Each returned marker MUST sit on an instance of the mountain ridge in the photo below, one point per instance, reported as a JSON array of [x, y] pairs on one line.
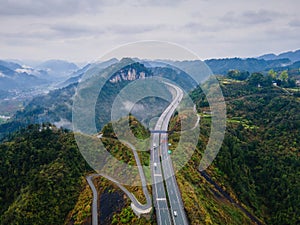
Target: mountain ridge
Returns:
[[291, 55]]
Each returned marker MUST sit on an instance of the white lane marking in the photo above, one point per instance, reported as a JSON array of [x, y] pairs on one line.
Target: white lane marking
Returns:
[[161, 199]]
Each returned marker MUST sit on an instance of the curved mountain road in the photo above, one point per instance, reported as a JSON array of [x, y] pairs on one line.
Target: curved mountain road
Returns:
[[163, 171], [135, 204], [95, 199]]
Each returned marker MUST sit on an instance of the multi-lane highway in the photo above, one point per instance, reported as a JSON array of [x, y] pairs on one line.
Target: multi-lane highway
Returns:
[[171, 208], [166, 195]]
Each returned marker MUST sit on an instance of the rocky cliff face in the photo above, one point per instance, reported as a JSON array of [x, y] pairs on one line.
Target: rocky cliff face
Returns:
[[129, 75], [131, 72]]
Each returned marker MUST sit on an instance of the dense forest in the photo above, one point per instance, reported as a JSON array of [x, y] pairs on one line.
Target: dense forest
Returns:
[[41, 173], [259, 159]]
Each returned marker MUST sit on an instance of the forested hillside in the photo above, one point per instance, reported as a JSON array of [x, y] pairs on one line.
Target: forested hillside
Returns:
[[41, 173], [255, 176], [260, 157]]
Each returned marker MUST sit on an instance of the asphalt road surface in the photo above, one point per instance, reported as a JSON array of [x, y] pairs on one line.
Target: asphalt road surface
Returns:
[[95, 199], [168, 210], [162, 168]]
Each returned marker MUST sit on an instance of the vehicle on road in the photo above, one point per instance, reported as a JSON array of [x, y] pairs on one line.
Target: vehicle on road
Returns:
[[175, 213]]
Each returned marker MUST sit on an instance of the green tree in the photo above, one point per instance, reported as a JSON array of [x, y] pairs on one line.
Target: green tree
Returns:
[[284, 76], [256, 79], [238, 75], [272, 74]]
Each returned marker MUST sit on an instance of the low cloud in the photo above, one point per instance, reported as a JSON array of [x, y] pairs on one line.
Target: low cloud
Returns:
[[250, 17], [294, 23], [64, 124], [133, 29], [84, 29], [170, 3], [51, 7], [75, 30], [70, 7]]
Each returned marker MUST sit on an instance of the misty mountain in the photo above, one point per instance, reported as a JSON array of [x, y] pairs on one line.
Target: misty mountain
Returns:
[[77, 75], [222, 66], [14, 76], [270, 56], [107, 63], [10, 65], [4, 94], [293, 56], [56, 106], [57, 69], [74, 77], [27, 62]]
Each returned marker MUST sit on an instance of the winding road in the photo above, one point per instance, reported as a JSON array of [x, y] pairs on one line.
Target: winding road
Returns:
[[162, 175], [95, 199], [162, 169], [135, 204]]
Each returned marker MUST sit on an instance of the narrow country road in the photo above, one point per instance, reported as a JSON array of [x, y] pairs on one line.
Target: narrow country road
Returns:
[[135, 204], [95, 199]]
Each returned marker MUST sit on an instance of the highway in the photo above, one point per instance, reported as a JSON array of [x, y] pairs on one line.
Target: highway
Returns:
[[161, 167], [169, 210]]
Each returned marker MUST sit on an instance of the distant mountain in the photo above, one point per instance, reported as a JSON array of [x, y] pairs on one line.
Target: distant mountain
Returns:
[[10, 65], [270, 56], [5, 71], [56, 106], [293, 56], [77, 75], [21, 67], [17, 77], [222, 66], [57, 69], [30, 63], [4, 94], [293, 70], [107, 63]]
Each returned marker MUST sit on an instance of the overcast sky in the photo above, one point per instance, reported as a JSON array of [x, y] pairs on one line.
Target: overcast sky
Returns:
[[83, 30]]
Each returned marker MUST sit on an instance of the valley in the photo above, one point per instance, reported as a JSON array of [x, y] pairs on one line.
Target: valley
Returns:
[[253, 180]]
